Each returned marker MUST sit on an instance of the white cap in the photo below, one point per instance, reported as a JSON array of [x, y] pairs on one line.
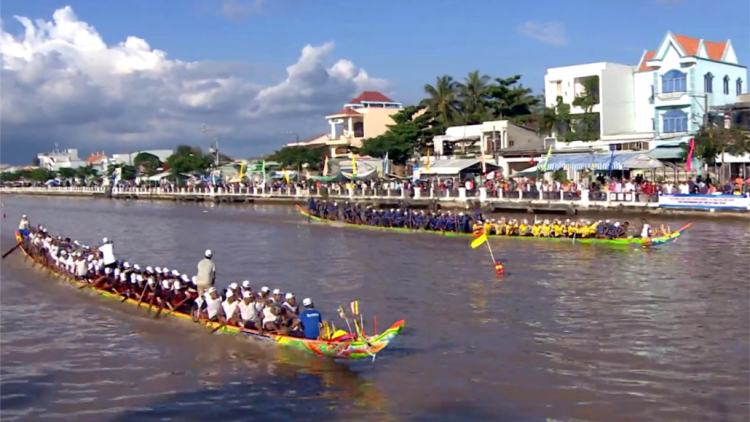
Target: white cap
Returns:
[[185, 278], [290, 295], [233, 286], [175, 273], [276, 291], [194, 279], [177, 285], [24, 216], [208, 253], [246, 294], [307, 302], [230, 293], [212, 289], [126, 264], [165, 270], [246, 284], [617, 224], [165, 284], [104, 240], [158, 269], [137, 267], [265, 289], [150, 269]]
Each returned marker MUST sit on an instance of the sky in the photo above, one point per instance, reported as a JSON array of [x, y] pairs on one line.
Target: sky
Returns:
[[121, 76]]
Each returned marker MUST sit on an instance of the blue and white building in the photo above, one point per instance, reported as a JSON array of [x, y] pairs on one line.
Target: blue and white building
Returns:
[[662, 101]]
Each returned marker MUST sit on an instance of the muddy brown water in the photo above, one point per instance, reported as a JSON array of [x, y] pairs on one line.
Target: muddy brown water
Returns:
[[570, 333]]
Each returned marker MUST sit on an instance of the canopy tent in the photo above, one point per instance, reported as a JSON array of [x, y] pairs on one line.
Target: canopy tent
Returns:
[[364, 175], [338, 177], [531, 171], [454, 167], [667, 153], [622, 161]]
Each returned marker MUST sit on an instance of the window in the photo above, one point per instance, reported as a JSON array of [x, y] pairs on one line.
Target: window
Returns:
[[674, 81], [708, 83], [675, 121], [739, 86], [726, 85], [653, 124]]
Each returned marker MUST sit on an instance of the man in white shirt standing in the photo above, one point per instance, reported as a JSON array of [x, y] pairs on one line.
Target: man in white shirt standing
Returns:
[[108, 254]]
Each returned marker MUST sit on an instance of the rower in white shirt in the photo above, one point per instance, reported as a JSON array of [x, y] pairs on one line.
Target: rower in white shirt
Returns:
[[108, 254]]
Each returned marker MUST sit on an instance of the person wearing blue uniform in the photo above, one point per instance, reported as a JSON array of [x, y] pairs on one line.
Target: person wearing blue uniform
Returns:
[[310, 319]]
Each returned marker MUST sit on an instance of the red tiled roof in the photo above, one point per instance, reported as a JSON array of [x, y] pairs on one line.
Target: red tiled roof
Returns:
[[95, 158], [715, 50], [371, 96], [346, 112], [648, 56]]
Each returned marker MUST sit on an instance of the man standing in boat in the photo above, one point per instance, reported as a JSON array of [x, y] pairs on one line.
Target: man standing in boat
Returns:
[[206, 277], [108, 254], [23, 226]]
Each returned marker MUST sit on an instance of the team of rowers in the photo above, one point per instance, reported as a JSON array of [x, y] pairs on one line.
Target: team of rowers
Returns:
[[464, 223], [237, 305]]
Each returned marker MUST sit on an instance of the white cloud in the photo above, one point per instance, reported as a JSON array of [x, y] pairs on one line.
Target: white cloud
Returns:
[[61, 83], [547, 32]]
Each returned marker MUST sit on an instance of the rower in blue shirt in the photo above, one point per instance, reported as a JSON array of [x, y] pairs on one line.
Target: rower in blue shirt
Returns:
[[310, 319]]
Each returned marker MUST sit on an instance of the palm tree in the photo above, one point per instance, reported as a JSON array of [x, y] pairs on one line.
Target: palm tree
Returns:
[[443, 99], [473, 93]]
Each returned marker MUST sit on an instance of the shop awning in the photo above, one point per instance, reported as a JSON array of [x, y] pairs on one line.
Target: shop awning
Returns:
[[621, 161]]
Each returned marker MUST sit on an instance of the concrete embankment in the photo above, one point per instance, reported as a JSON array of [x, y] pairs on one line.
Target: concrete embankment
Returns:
[[388, 199]]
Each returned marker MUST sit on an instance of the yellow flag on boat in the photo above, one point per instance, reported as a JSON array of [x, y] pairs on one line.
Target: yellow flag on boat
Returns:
[[286, 176], [355, 307], [354, 165], [479, 240]]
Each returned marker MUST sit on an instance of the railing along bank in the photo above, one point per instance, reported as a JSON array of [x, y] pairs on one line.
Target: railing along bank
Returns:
[[354, 193]]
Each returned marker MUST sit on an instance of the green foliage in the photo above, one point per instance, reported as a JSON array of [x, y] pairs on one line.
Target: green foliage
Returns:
[[187, 159], [295, 157], [712, 141], [128, 172], [559, 121], [147, 163], [67, 173], [86, 172], [408, 135], [478, 99]]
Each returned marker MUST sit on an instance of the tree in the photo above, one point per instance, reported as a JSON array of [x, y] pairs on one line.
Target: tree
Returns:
[[443, 100], [473, 96], [555, 120], [127, 172], [712, 141], [147, 163], [67, 173], [295, 157], [86, 172], [40, 175], [411, 132], [510, 100], [187, 159], [586, 124]]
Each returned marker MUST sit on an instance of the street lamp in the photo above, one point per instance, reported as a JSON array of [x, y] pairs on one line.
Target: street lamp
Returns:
[[213, 149], [299, 176]]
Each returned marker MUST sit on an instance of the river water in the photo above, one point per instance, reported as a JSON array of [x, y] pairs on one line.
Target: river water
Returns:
[[570, 333]]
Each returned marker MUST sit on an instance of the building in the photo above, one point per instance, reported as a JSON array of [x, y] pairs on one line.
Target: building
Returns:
[[98, 160], [57, 159], [128, 158], [504, 144], [661, 101], [365, 116]]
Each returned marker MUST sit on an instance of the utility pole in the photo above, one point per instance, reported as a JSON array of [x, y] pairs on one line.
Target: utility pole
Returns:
[[214, 149], [299, 165]]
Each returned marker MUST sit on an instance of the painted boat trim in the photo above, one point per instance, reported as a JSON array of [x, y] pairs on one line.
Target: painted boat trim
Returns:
[[330, 349], [660, 240]]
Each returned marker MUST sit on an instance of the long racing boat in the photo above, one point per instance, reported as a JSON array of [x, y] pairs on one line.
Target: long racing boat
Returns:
[[629, 241], [360, 348]]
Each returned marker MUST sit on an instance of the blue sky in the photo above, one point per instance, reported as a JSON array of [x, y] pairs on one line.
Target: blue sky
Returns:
[[401, 44], [408, 43]]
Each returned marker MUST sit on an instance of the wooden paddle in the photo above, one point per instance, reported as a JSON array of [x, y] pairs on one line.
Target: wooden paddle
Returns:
[[142, 293], [11, 250], [223, 324], [173, 309]]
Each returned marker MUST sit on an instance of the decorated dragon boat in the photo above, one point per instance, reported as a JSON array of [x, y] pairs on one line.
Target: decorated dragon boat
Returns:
[[359, 347], [626, 241]]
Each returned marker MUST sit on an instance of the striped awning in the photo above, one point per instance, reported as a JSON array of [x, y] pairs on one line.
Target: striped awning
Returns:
[[616, 161]]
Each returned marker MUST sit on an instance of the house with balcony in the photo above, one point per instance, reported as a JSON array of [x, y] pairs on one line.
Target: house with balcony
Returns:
[[366, 116], [660, 102]]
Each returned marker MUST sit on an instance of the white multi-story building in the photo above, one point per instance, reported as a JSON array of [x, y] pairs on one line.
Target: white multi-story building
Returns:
[[58, 159], [661, 101]]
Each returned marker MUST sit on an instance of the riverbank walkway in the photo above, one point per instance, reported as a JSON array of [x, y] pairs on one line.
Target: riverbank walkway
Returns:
[[536, 202]]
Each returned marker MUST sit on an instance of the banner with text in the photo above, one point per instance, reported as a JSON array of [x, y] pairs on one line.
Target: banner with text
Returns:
[[718, 202]]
